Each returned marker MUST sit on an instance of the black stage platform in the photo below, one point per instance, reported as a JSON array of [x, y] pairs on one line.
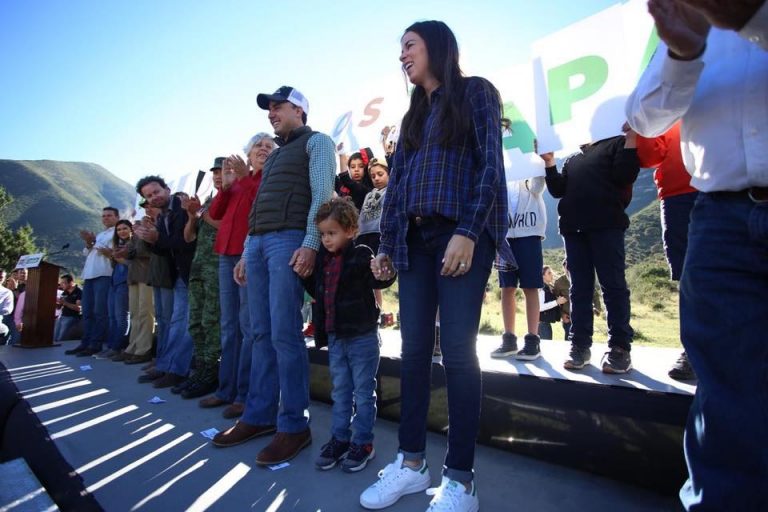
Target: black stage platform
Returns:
[[627, 427]]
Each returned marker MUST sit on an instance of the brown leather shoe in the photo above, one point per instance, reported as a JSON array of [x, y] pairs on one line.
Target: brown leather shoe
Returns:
[[233, 411], [211, 401], [284, 447], [241, 433], [168, 380]]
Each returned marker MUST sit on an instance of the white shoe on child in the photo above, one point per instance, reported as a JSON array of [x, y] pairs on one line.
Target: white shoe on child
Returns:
[[452, 496], [395, 481]]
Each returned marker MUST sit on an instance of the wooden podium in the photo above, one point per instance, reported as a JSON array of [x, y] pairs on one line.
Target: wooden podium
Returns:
[[40, 306]]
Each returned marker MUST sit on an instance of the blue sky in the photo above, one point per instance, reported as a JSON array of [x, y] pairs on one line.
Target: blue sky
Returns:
[[164, 86]]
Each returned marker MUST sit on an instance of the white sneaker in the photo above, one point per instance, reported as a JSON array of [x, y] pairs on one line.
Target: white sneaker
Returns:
[[395, 481], [452, 496]]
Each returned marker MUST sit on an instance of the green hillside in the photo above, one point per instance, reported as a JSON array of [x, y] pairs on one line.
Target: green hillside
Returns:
[[58, 199]]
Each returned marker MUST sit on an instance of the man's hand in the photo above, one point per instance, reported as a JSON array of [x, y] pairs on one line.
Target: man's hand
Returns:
[[683, 28], [238, 273], [457, 259], [303, 261], [730, 15], [147, 233], [382, 268], [88, 237], [105, 251]]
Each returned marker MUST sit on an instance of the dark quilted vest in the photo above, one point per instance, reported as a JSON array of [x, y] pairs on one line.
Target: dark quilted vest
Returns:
[[284, 195]]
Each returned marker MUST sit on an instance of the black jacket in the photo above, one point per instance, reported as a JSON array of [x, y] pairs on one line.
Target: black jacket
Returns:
[[356, 309], [595, 187], [170, 229]]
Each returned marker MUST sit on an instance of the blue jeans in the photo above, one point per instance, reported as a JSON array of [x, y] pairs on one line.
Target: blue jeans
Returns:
[[460, 299], [177, 354], [280, 364], [163, 299], [545, 330], [721, 310], [599, 251], [236, 335], [95, 304], [118, 316], [63, 325], [675, 216], [353, 363]]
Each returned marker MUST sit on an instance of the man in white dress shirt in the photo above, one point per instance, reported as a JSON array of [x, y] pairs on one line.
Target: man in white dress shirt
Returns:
[[97, 273], [711, 71]]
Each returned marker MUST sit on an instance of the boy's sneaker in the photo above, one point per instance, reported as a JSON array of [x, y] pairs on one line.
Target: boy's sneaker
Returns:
[[395, 481], [682, 370], [617, 361], [508, 346], [578, 358], [531, 350], [452, 496], [357, 457], [331, 454]]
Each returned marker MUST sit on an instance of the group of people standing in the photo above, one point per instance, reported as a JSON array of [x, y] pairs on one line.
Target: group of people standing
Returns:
[[275, 230]]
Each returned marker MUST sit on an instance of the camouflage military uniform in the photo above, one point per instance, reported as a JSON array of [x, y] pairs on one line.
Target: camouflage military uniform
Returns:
[[204, 312]]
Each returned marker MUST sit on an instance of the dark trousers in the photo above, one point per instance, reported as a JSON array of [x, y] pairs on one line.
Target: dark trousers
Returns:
[[721, 313], [599, 251], [422, 291], [675, 216]]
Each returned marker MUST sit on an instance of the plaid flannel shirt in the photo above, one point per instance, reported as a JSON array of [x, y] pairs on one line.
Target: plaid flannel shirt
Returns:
[[463, 183]]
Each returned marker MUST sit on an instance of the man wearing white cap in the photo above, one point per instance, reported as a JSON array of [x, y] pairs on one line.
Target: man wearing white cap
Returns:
[[280, 249]]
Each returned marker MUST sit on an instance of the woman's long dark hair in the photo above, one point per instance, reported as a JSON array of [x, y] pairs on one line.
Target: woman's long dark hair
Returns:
[[443, 53]]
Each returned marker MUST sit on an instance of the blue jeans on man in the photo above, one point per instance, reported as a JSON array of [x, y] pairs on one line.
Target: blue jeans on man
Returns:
[[721, 311], [675, 214], [177, 354], [600, 251], [95, 307], [64, 325], [353, 363], [236, 335], [163, 300], [422, 291], [279, 385]]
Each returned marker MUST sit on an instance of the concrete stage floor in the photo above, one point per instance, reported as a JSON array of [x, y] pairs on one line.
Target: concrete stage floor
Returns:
[[134, 455]]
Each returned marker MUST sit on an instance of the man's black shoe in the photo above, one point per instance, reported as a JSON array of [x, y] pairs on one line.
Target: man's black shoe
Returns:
[[197, 389]]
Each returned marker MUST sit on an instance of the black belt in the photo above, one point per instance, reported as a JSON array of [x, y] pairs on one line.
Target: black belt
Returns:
[[434, 220], [754, 194]]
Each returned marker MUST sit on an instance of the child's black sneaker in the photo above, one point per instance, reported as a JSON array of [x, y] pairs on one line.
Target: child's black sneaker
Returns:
[[331, 454], [357, 457]]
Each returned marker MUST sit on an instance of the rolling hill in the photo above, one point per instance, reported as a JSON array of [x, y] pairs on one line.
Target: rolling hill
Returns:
[[58, 199]]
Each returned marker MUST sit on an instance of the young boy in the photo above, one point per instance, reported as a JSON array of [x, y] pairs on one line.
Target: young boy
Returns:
[[346, 317]]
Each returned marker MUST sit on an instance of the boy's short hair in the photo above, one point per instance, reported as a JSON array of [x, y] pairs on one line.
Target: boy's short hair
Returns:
[[340, 209]]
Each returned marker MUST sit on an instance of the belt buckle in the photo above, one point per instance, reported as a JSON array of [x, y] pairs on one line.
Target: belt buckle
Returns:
[[757, 200]]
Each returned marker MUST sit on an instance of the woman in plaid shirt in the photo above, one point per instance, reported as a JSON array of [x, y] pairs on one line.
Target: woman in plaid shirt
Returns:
[[444, 218]]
